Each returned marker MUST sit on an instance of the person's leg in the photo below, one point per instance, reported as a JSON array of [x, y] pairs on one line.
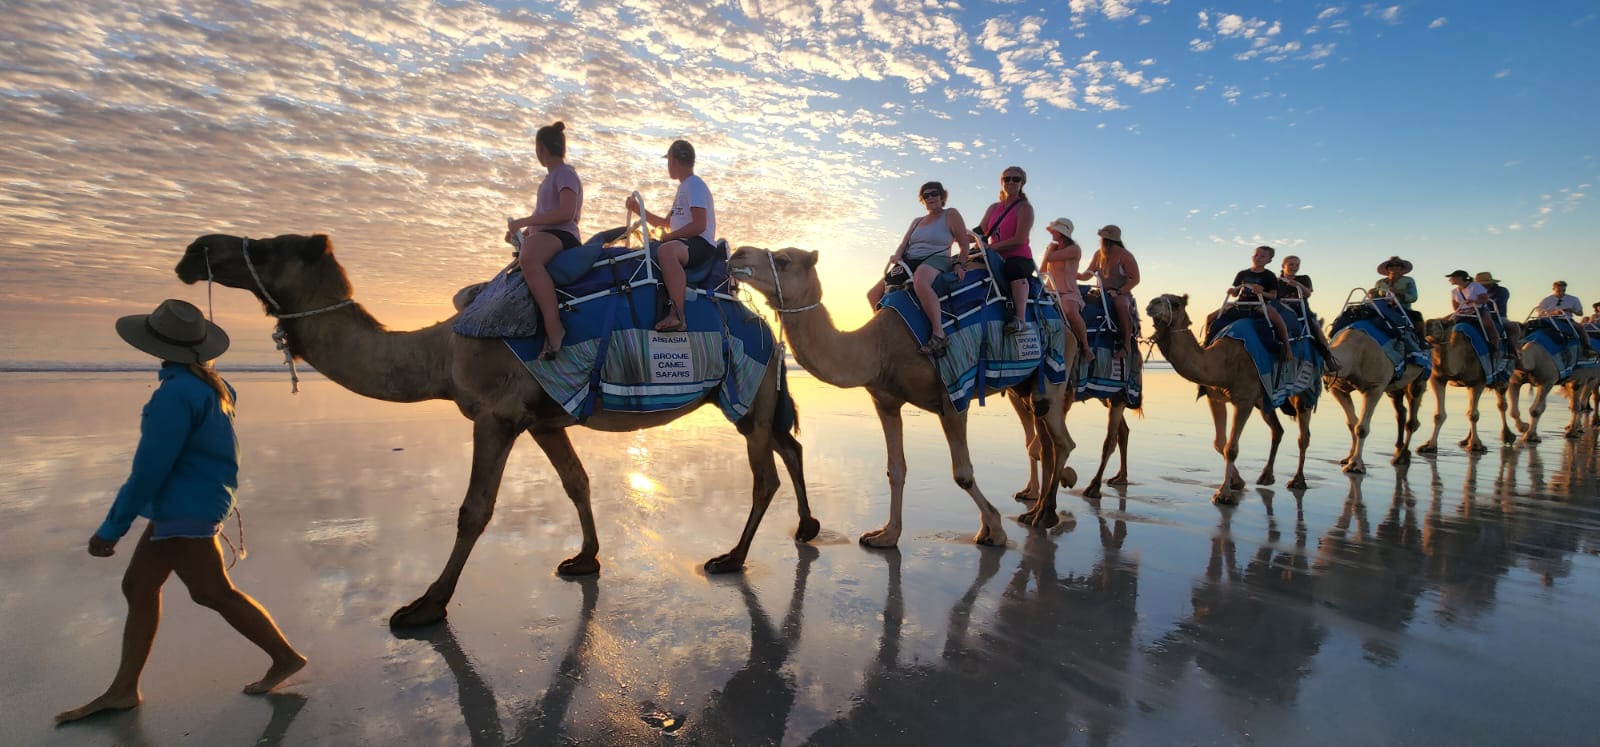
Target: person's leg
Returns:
[[1072, 311], [538, 249], [198, 563], [875, 295], [1281, 329], [1119, 304], [672, 257], [141, 586], [922, 283], [1491, 331], [1019, 302]]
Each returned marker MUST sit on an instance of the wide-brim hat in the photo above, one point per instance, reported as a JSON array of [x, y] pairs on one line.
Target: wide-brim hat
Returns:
[[1061, 226], [176, 331], [1485, 277], [1110, 232], [1383, 267]]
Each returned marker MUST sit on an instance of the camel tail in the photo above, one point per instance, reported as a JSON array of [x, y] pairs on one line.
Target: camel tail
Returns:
[[786, 417]]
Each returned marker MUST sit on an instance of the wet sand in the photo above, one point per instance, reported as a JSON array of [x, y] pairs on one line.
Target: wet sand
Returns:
[[1451, 602]]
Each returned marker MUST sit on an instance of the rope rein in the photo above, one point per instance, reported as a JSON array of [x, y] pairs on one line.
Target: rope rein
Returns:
[[280, 336]]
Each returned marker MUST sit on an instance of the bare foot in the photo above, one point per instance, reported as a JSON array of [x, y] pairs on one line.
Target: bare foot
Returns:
[[106, 702], [275, 676], [552, 344]]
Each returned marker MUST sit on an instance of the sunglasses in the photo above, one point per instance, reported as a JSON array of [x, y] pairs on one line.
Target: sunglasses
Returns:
[[1011, 178], [932, 195]]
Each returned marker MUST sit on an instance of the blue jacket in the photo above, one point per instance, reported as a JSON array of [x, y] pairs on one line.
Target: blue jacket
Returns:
[[187, 462]]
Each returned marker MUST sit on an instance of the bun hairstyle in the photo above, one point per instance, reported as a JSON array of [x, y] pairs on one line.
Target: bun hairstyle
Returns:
[[554, 139]]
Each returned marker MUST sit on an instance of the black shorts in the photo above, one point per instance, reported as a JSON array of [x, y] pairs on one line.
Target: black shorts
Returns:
[[567, 240], [1019, 268], [700, 251]]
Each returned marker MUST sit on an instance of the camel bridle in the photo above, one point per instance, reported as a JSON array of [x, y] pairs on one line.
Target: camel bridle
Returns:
[[777, 284]]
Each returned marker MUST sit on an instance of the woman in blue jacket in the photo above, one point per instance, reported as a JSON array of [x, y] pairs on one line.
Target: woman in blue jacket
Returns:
[[185, 471]]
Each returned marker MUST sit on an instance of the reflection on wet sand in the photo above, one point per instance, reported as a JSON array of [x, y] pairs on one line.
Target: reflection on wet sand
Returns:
[[1374, 578]]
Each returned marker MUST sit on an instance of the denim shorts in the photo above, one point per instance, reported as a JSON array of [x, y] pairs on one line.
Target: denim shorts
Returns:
[[184, 529]]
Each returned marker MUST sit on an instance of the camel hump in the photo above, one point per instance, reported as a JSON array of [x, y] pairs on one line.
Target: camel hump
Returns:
[[464, 297]]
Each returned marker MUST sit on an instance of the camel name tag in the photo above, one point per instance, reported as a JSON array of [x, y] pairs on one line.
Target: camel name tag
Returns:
[[670, 359], [1027, 344]]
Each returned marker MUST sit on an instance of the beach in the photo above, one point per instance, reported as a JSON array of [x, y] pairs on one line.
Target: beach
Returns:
[[1451, 601]]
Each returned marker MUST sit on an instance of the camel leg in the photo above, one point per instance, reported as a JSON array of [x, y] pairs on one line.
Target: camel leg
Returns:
[[1058, 445], [1121, 478], [1303, 419], [1407, 409], [1541, 392], [1232, 482], [1219, 422], [992, 532], [1472, 442], [789, 449], [1276, 426], [1363, 428], [1431, 446], [759, 449], [1515, 390], [1351, 423], [491, 444], [575, 481], [1092, 491], [894, 442], [1030, 436]]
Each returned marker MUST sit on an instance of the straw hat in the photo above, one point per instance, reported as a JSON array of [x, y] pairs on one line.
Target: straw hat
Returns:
[[1485, 277], [176, 331], [1383, 267], [1061, 226], [1111, 232]]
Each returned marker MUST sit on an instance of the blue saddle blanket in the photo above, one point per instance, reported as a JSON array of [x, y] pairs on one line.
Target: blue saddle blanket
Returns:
[[1280, 379], [612, 358], [1564, 350], [1391, 346], [981, 357], [1113, 371], [1500, 369]]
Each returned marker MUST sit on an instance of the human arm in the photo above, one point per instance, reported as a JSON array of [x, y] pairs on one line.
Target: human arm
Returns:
[[962, 236], [1130, 270], [695, 226], [163, 429], [566, 207], [1405, 290]]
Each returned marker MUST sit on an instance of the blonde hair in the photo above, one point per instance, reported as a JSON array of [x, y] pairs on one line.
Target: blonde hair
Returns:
[[214, 380]]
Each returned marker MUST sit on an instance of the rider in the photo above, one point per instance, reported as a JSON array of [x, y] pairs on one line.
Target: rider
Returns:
[[1559, 303], [926, 250], [1292, 285], [1061, 260], [1396, 283], [1119, 273], [1006, 225], [691, 232], [1257, 284], [1468, 296]]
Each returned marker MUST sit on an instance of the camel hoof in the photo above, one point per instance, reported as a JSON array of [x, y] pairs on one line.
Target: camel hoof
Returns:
[[728, 563], [1039, 519], [1092, 491], [1345, 460], [1428, 448], [1118, 479], [1298, 483], [1353, 468], [1478, 448], [1069, 477], [1572, 435], [987, 537], [1225, 497], [421, 612], [1532, 438], [1403, 456], [1023, 496], [878, 538], [808, 529], [1266, 478], [579, 565], [1237, 484]]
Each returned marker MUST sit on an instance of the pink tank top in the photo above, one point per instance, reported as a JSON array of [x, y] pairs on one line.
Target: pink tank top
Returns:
[[1004, 231]]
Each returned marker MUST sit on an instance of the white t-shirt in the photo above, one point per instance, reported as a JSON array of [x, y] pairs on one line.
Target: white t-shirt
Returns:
[[1469, 296], [693, 193], [1568, 303]]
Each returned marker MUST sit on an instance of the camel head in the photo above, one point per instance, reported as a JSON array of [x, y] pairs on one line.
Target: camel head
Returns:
[[1169, 311], [296, 272], [787, 277], [1437, 331]]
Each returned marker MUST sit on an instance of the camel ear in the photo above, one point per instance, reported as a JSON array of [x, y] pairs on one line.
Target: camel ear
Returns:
[[811, 258], [315, 247]]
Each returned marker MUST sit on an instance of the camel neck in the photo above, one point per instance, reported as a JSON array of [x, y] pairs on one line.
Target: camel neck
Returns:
[[843, 359], [1183, 351], [351, 348]]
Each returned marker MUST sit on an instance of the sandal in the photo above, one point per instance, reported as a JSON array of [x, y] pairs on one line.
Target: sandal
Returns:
[[937, 345]]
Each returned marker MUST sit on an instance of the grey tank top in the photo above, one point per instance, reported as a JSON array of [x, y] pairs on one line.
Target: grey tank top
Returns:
[[927, 241]]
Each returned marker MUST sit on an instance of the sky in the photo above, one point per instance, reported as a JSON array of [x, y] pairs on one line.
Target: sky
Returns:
[[1455, 134]]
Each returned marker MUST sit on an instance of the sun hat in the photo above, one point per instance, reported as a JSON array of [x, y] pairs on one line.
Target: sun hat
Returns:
[[1061, 226], [680, 150], [1462, 274], [175, 331], [1111, 232], [1383, 267], [1485, 277]]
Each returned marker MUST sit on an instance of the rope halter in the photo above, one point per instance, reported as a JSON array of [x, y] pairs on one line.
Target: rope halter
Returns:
[[280, 336]]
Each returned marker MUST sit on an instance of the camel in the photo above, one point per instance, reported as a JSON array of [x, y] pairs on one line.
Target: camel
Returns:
[[298, 280], [1541, 370], [1363, 367], [1226, 374], [882, 356], [1455, 362]]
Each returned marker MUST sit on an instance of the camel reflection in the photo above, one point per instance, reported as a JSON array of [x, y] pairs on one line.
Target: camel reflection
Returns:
[[1468, 552], [1050, 667], [1254, 628], [1374, 578]]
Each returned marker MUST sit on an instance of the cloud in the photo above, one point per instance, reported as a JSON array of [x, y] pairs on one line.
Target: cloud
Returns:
[[1438, 23]]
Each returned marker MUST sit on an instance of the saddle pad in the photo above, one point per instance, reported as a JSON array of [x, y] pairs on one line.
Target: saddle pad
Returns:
[[1500, 370], [1109, 374], [1280, 380], [1392, 347], [613, 360]]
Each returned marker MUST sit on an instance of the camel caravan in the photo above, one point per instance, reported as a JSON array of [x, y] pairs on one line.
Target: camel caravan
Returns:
[[625, 347]]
